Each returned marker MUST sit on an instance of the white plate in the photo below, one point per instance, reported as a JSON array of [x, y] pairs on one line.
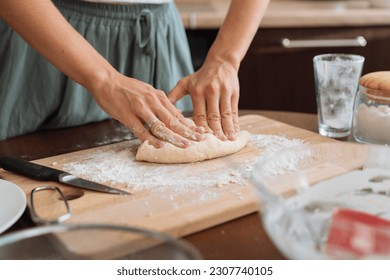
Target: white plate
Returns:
[[12, 204]]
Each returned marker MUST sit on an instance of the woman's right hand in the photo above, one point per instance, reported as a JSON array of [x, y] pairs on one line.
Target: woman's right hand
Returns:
[[146, 111]]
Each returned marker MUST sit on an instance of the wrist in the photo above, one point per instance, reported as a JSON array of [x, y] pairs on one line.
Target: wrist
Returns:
[[99, 78], [223, 59]]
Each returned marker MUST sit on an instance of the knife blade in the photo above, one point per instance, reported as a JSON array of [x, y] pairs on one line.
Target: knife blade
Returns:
[[43, 173]]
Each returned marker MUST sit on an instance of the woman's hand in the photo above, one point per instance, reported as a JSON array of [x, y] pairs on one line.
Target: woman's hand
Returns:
[[214, 90], [146, 111], [130, 101]]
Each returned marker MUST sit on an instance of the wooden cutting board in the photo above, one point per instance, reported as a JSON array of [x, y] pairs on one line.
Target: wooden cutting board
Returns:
[[179, 213]]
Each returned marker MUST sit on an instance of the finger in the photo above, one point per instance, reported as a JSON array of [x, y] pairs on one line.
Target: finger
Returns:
[[159, 130], [178, 92], [159, 117], [186, 121], [191, 124], [200, 112], [185, 128], [227, 116], [236, 122], [175, 125], [142, 133], [214, 116], [227, 119], [176, 122]]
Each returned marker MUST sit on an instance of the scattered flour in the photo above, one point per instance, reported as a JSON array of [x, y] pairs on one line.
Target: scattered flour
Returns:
[[117, 166], [286, 162]]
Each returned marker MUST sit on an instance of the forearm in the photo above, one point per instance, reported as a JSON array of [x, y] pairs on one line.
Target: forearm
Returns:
[[41, 25], [236, 33]]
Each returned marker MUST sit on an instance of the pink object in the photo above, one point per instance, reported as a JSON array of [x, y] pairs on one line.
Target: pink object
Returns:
[[357, 234]]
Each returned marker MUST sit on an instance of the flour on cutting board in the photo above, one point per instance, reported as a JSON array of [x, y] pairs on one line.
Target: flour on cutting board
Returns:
[[119, 167]]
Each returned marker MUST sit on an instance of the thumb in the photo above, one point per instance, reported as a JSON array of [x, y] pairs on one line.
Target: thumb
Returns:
[[178, 92]]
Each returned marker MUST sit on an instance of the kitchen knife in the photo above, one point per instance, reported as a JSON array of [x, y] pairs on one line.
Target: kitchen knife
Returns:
[[44, 173]]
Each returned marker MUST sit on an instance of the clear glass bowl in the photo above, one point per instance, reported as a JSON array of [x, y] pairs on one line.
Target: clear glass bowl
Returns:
[[371, 121], [301, 188], [93, 241]]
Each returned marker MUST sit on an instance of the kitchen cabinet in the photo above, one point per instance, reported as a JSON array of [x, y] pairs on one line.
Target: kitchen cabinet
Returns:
[[274, 76], [200, 41]]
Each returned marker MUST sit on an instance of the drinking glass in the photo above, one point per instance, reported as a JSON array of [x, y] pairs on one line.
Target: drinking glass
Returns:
[[336, 82]]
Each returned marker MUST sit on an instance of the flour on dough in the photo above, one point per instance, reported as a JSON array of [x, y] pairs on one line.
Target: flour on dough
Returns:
[[209, 148]]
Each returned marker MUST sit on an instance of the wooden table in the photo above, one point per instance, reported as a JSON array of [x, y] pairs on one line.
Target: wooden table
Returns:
[[243, 238]]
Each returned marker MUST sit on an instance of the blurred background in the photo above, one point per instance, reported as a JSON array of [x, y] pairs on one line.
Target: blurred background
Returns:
[[277, 72]]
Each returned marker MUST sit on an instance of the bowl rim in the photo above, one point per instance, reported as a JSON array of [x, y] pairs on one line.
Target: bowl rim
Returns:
[[24, 234]]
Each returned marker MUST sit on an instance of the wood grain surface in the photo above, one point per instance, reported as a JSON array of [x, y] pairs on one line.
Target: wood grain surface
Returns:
[[150, 209]]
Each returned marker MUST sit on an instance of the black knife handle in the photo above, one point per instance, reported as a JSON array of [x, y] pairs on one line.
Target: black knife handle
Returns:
[[29, 169]]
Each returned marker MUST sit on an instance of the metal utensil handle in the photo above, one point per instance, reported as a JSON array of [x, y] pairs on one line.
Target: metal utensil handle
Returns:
[[38, 219], [359, 41]]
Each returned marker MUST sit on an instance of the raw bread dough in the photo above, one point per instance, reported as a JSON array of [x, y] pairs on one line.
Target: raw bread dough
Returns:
[[209, 148]]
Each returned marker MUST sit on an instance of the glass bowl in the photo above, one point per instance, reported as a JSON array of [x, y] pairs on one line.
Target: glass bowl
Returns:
[[327, 200], [93, 241]]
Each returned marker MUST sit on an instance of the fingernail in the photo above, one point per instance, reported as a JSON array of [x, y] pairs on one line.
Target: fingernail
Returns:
[[221, 136], [188, 134], [200, 129], [197, 137], [194, 137], [158, 144], [201, 137], [185, 144], [231, 136]]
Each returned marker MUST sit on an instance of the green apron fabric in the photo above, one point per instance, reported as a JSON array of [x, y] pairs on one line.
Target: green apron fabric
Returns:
[[145, 41]]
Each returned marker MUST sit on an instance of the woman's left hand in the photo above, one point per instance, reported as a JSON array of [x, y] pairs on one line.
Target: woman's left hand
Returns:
[[214, 90]]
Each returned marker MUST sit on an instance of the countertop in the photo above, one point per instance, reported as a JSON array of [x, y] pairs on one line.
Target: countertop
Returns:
[[242, 238], [289, 13]]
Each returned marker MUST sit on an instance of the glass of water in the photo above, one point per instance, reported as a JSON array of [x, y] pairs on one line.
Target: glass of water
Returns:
[[336, 81]]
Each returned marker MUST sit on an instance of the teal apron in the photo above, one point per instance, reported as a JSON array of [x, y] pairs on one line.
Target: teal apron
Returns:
[[145, 41]]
